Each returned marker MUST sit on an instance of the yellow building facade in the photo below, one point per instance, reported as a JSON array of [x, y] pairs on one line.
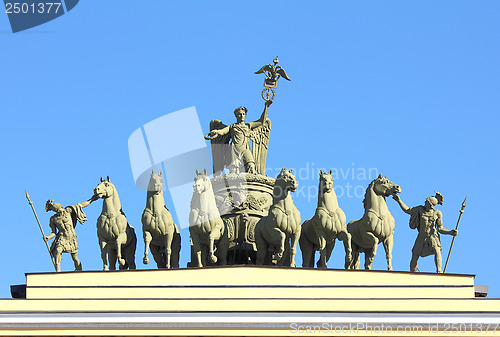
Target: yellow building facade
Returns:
[[250, 301]]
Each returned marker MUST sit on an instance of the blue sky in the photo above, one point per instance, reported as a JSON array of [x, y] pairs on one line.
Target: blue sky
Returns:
[[408, 88]]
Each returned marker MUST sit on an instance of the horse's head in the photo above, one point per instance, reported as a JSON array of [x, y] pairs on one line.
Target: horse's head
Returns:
[[325, 182], [385, 187], [286, 182], [202, 182], [155, 183], [105, 189]]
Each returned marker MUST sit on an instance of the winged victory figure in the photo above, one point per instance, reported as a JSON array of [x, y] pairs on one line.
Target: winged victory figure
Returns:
[[231, 143]]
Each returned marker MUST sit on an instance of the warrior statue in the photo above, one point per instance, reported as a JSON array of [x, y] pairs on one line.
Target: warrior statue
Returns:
[[63, 225], [429, 222], [236, 155]]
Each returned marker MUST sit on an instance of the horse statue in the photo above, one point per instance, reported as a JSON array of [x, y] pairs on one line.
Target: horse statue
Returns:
[[160, 233], [377, 224], [279, 230], [117, 238], [327, 224], [208, 233]]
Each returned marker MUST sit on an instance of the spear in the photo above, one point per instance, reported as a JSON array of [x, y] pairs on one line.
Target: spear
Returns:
[[41, 229], [456, 228]]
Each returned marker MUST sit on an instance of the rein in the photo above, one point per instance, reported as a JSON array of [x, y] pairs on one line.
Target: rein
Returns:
[[154, 214], [381, 217], [330, 213], [108, 215], [287, 212]]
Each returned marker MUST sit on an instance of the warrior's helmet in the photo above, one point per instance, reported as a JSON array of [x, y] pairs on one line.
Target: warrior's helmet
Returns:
[[438, 199], [432, 200], [51, 206]]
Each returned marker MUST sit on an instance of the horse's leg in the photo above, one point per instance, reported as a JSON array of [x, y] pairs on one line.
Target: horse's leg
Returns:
[[147, 241], [260, 244], [286, 259], [388, 243], [223, 246], [196, 249], [129, 248], [324, 255], [307, 249], [112, 258], [167, 222], [168, 247], [214, 234], [204, 253], [104, 254], [158, 256], [355, 261], [277, 238], [322, 248], [121, 239], [176, 247], [293, 245], [329, 248], [354, 264], [358, 259], [371, 252], [345, 237]]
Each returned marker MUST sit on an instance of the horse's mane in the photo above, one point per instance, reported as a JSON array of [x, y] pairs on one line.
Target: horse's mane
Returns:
[[116, 199], [368, 190], [194, 199], [279, 179]]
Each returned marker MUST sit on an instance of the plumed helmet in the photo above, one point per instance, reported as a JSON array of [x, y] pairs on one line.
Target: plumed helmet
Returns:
[[432, 200], [439, 197]]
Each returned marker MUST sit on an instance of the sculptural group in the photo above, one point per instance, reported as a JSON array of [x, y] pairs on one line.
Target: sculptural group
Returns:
[[243, 210]]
